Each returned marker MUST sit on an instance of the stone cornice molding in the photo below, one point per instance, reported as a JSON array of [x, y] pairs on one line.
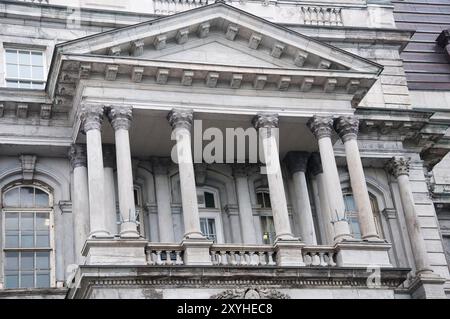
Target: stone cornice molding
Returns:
[[181, 118], [78, 155], [347, 127], [160, 165], [120, 116], [398, 165], [109, 155], [315, 164], [92, 116], [297, 161], [321, 126]]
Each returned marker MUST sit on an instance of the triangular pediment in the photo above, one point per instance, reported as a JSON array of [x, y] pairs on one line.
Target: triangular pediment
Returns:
[[266, 41]]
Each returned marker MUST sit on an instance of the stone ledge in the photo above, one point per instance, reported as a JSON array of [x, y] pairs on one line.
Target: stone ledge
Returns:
[[33, 293]]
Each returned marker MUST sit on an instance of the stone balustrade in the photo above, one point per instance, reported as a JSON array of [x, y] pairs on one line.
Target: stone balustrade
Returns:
[[238, 255], [164, 254], [320, 15], [319, 256]]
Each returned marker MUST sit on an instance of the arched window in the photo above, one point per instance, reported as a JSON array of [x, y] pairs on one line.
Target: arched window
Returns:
[[352, 215], [27, 236]]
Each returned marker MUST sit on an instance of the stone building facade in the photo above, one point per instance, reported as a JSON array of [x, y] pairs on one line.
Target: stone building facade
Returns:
[[98, 99]]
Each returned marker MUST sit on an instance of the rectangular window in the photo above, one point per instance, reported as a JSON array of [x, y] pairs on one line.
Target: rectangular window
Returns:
[[268, 229], [24, 68], [208, 228]]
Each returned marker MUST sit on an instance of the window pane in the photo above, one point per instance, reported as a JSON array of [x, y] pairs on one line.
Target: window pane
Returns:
[[27, 239], [42, 221], [26, 197], [203, 226], [26, 221], [11, 281], [41, 198], [12, 84], [11, 261], [25, 84], [43, 280], [11, 71], [24, 57], [38, 72], [36, 58], [259, 198], [11, 221], [209, 200], [12, 239], [24, 71], [27, 280], [42, 260], [27, 261], [11, 56], [267, 200], [42, 239], [12, 198]]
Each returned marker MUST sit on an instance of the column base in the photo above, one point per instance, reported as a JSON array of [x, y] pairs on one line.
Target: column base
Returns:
[[196, 251], [289, 252], [115, 252], [428, 285], [353, 253], [129, 230]]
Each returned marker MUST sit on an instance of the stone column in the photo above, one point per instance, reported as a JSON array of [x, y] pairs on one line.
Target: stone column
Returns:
[[267, 124], [325, 220], [347, 128], [399, 167], [110, 188], [92, 117], [181, 122], [165, 222], [322, 128], [120, 117], [80, 197], [296, 163], [248, 232]]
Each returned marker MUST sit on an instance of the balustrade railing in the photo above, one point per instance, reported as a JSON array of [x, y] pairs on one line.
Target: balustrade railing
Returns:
[[238, 255], [164, 254], [319, 256]]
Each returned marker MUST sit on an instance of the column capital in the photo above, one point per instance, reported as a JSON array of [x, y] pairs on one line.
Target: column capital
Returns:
[[265, 120], [321, 126], [240, 170], [347, 127], [181, 118], [398, 165], [120, 116], [160, 165], [296, 161], [92, 116], [315, 164], [109, 155], [78, 155]]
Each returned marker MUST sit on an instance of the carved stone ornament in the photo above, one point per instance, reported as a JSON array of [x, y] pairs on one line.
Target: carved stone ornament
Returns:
[[181, 118], [398, 165], [120, 116], [347, 127], [92, 117], [77, 155], [251, 293], [265, 120], [321, 126], [28, 166], [296, 161]]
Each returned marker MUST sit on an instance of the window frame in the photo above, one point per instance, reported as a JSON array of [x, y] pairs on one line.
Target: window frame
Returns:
[[50, 249], [213, 213], [32, 81], [266, 192]]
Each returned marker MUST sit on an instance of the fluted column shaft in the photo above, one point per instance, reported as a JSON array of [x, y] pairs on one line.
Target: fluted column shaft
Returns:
[[399, 167], [267, 124], [245, 205], [165, 222], [80, 197], [322, 129], [120, 117], [181, 122], [110, 188], [92, 117], [297, 163], [347, 128]]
